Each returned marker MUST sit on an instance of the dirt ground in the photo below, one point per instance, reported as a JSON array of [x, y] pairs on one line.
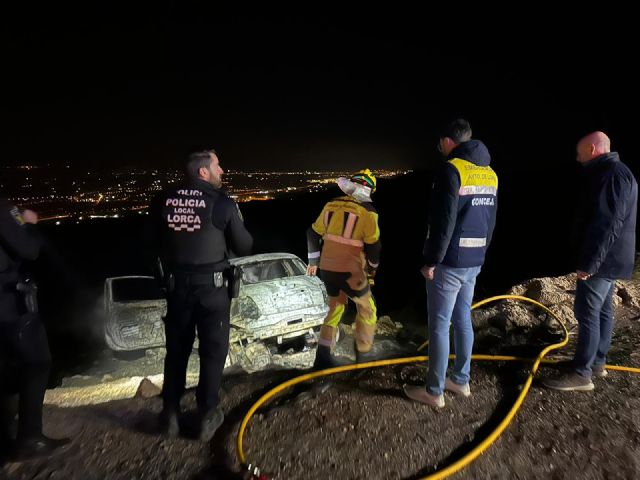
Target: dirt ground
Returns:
[[363, 427]]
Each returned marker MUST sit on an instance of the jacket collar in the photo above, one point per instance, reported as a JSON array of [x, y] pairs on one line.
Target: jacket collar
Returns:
[[202, 185], [473, 151], [602, 159]]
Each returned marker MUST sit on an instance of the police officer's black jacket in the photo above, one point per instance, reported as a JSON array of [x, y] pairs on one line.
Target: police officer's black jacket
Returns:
[[462, 210], [197, 228], [17, 242], [605, 232]]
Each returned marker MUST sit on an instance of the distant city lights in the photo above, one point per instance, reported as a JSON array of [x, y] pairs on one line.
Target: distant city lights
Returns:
[[58, 194]]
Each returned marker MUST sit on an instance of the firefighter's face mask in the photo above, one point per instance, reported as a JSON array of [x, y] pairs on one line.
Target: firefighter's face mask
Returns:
[[355, 190]]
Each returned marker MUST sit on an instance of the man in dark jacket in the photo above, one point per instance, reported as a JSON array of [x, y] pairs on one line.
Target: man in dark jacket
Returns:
[[197, 228], [606, 232], [461, 222], [23, 339]]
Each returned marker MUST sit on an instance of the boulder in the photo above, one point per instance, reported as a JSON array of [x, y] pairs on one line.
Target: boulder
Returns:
[[147, 389], [556, 293]]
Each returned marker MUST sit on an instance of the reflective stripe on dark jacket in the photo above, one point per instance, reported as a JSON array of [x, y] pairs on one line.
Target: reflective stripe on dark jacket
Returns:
[[463, 208], [606, 219]]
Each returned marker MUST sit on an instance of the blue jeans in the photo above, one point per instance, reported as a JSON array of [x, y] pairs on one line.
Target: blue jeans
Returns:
[[449, 297], [594, 311]]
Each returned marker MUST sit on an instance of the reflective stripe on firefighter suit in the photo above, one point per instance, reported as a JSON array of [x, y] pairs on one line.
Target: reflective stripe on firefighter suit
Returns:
[[351, 237]]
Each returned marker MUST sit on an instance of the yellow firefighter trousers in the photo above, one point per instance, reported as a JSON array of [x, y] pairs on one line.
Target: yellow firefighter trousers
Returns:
[[366, 319]]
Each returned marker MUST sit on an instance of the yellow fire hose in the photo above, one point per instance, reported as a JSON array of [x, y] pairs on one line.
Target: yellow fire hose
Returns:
[[480, 448]]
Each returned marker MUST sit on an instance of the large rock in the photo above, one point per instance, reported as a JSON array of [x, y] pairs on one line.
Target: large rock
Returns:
[[556, 293], [548, 291], [628, 293], [147, 389]]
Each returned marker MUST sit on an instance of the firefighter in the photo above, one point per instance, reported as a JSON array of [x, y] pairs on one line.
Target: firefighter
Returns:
[[344, 250]]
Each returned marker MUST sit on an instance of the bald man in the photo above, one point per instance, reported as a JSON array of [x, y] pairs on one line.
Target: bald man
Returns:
[[606, 240]]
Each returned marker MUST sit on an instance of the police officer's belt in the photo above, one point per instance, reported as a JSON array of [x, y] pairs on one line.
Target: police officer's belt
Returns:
[[213, 279]]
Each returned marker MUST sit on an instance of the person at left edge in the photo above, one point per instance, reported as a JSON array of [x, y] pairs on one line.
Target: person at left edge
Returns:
[[23, 339], [197, 227]]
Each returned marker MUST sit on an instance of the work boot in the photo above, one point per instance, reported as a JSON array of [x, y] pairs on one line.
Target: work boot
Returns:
[[599, 371], [324, 359], [363, 357], [420, 394], [210, 422], [569, 382], [168, 423], [456, 388], [38, 446]]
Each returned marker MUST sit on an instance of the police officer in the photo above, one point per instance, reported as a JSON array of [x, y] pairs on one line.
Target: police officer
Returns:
[[197, 228], [23, 339]]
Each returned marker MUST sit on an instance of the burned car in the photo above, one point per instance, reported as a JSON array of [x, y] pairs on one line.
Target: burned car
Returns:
[[279, 305]]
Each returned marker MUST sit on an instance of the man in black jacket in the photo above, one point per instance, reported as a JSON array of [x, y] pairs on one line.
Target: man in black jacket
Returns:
[[462, 216], [23, 339], [197, 228], [606, 233]]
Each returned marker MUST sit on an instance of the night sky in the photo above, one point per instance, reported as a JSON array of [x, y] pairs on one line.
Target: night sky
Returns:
[[320, 89]]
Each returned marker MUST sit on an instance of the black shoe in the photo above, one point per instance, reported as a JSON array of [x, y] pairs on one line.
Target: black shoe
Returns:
[[324, 359], [36, 447], [168, 423], [210, 422]]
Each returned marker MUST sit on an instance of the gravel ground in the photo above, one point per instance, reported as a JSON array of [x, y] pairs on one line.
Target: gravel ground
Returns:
[[363, 427]]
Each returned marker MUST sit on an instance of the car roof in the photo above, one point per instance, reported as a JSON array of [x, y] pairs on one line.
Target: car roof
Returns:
[[261, 258]]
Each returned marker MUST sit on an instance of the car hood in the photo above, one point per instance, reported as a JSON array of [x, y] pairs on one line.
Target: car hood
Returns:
[[285, 294]]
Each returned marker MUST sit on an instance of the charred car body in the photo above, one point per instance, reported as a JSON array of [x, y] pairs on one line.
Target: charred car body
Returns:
[[278, 305]]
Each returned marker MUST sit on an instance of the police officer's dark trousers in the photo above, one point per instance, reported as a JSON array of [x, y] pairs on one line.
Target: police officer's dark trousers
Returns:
[[204, 308], [23, 343]]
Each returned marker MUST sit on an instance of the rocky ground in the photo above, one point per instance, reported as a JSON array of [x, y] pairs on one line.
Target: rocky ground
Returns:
[[363, 427]]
